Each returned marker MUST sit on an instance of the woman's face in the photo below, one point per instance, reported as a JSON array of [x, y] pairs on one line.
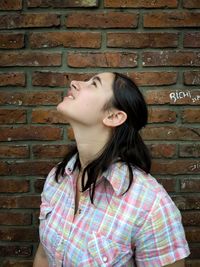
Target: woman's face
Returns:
[[85, 99]]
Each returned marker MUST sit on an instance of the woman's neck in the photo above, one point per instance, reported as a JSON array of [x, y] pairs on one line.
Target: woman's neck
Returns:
[[90, 142]]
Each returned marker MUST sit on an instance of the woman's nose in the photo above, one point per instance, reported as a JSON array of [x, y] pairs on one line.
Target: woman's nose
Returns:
[[74, 84]]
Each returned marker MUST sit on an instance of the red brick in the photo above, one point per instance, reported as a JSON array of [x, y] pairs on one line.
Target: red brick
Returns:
[[10, 4], [170, 133], [11, 40], [191, 39], [50, 151], [38, 185], [192, 77], [191, 218], [15, 251], [32, 59], [168, 183], [66, 39], [12, 116], [47, 116], [102, 20], [12, 79], [140, 3], [30, 133], [22, 202], [172, 19], [189, 150], [154, 78], [175, 167], [26, 168], [192, 234], [192, 263], [162, 150], [195, 252], [161, 115], [17, 234], [190, 185], [70, 134], [15, 218], [17, 21], [14, 186], [60, 79], [173, 97], [142, 40], [171, 58], [112, 59], [14, 151], [191, 3], [36, 214], [17, 263], [31, 98], [187, 202], [62, 3], [190, 115]]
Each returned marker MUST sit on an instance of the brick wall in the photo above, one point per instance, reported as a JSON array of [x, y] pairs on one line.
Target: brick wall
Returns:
[[44, 44]]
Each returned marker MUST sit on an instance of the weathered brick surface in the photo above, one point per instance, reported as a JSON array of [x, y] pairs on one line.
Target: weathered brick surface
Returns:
[[191, 115], [30, 133], [31, 59], [102, 20], [17, 21], [56, 79], [62, 3], [171, 58], [47, 116], [15, 218], [142, 40], [14, 186], [11, 41], [172, 19], [10, 116], [154, 78], [66, 39], [12, 79], [162, 115], [30, 98], [10, 4], [192, 77], [112, 60], [191, 3], [191, 39], [189, 150], [44, 45], [140, 3], [17, 263]]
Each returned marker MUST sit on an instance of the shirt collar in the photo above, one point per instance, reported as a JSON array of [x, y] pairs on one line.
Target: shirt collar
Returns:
[[117, 175]]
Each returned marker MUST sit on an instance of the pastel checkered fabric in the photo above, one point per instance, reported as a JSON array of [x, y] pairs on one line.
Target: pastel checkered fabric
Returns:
[[139, 228]]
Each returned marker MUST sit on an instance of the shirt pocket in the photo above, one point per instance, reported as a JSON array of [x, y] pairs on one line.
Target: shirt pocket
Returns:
[[106, 252]]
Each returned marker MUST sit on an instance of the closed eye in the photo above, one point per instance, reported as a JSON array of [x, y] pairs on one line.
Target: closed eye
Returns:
[[94, 83]]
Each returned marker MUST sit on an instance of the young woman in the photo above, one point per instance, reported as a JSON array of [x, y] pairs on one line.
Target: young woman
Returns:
[[100, 206]]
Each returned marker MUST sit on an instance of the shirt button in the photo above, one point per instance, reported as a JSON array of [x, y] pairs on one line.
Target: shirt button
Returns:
[[105, 259]]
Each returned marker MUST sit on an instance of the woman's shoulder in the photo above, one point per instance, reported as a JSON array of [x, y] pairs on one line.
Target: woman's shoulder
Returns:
[[146, 191]]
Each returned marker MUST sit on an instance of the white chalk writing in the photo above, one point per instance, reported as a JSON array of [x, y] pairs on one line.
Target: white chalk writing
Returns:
[[195, 166], [174, 96]]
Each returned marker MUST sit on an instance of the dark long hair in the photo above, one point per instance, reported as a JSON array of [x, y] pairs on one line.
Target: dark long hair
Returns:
[[125, 144]]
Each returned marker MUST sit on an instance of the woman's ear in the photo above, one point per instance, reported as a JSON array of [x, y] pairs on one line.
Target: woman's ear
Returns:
[[115, 118]]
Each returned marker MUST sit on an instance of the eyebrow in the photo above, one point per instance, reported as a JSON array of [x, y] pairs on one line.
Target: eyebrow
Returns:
[[98, 79]]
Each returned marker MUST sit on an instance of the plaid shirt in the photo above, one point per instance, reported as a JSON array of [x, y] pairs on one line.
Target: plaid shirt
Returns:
[[139, 228]]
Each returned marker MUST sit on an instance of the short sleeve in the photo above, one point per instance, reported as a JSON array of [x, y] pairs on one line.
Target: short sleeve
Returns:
[[161, 240]]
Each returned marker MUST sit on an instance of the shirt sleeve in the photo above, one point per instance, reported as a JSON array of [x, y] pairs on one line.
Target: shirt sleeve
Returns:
[[161, 240]]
